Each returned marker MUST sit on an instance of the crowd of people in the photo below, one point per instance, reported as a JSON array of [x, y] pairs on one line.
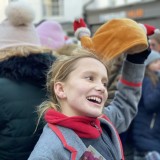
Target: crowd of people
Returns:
[[97, 100]]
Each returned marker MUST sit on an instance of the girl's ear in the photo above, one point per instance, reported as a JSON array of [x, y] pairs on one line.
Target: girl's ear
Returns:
[[59, 90]]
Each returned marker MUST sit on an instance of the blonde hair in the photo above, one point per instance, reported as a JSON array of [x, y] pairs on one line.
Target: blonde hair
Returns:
[[152, 75], [59, 72], [67, 49], [20, 51]]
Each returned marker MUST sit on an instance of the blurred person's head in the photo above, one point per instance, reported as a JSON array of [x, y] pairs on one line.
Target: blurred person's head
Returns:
[[18, 34], [154, 41], [51, 34], [153, 66], [153, 61]]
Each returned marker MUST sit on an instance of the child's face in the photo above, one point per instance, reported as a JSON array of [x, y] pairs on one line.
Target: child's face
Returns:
[[154, 66], [85, 92], [154, 45]]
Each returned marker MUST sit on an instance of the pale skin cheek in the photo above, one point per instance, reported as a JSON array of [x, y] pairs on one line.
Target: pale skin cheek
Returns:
[[153, 68], [83, 88], [82, 91]]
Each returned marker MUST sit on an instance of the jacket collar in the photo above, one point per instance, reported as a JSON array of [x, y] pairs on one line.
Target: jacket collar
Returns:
[[65, 135]]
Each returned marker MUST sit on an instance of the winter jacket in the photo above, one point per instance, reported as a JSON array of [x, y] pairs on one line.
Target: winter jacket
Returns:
[[146, 125], [61, 143], [22, 81]]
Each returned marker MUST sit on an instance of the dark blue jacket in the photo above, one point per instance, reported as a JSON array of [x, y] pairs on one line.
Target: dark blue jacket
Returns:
[[145, 128], [22, 89]]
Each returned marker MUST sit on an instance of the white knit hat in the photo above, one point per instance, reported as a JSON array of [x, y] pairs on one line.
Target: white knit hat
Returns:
[[153, 56], [18, 28]]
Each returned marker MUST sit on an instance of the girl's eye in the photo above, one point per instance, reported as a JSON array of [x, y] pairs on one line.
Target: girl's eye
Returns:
[[90, 78], [105, 84]]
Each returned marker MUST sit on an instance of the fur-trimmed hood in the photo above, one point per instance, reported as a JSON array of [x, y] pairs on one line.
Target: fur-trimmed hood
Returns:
[[31, 68]]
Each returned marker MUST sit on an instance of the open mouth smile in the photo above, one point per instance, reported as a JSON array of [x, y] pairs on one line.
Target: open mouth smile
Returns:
[[95, 99]]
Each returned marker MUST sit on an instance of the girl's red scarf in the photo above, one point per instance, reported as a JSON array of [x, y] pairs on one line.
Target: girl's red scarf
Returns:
[[84, 127]]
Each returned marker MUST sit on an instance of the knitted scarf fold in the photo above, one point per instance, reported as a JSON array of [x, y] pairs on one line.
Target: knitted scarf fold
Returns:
[[84, 127]]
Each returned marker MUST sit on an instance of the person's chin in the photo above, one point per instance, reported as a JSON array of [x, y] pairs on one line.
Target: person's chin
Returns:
[[95, 115]]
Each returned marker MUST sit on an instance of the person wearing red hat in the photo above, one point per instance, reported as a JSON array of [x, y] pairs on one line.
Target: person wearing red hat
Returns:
[[154, 39]]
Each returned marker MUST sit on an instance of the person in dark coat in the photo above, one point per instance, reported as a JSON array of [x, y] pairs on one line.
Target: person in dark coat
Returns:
[[145, 129], [23, 66]]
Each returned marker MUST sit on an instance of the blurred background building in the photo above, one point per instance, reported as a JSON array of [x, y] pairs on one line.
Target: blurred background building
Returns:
[[95, 12], [143, 11]]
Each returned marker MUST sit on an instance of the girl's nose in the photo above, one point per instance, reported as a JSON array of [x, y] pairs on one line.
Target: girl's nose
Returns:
[[100, 87]]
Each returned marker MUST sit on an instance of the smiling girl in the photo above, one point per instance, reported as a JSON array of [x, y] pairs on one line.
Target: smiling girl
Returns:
[[75, 113]]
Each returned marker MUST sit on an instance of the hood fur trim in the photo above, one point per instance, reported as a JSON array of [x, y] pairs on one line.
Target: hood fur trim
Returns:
[[32, 68]]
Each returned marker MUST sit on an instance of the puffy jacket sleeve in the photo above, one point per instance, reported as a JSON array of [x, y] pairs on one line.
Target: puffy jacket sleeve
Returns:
[[1, 118], [3, 115], [123, 108]]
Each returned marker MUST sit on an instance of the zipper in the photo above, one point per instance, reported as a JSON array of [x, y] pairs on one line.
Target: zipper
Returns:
[[153, 121]]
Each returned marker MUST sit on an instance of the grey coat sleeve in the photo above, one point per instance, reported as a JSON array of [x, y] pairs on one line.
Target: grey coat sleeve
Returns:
[[123, 108]]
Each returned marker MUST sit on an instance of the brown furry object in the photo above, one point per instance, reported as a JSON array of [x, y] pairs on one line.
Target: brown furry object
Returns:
[[67, 49], [114, 75], [22, 51]]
